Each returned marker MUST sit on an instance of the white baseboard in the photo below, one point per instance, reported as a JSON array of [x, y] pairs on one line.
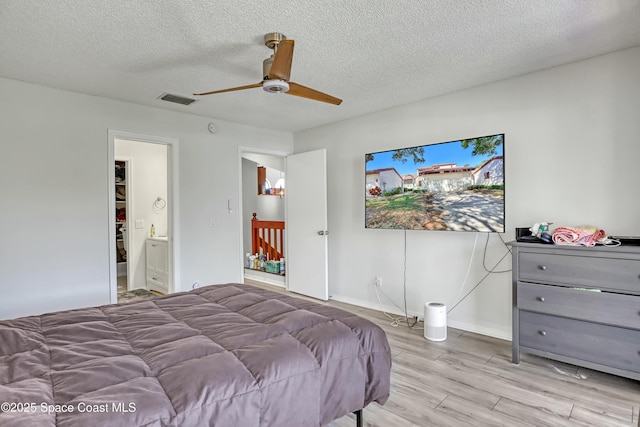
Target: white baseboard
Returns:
[[465, 326], [372, 306], [482, 330], [261, 276]]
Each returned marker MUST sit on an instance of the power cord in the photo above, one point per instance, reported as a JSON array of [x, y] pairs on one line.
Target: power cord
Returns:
[[481, 280], [503, 242], [395, 321], [484, 255], [404, 283], [608, 241], [466, 276]]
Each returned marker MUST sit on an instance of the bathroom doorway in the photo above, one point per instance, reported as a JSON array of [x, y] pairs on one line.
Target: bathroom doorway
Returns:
[[141, 216]]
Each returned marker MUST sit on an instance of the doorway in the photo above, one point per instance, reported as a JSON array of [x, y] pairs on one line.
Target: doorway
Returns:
[[141, 220], [305, 205], [270, 208], [262, 174]]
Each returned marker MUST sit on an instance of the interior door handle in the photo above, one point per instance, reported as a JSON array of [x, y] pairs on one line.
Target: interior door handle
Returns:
[[323, 232]]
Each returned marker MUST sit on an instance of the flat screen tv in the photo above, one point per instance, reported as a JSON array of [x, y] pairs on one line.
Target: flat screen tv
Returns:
[[450, 186]]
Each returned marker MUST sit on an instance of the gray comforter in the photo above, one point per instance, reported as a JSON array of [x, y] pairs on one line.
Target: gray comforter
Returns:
[[225, 355]]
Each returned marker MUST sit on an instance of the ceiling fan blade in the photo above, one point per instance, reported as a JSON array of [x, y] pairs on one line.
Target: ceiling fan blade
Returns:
[[230, 90], [281, 66], [305, 92]]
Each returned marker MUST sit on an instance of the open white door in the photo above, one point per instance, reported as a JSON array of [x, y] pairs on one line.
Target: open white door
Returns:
[[306, 219]]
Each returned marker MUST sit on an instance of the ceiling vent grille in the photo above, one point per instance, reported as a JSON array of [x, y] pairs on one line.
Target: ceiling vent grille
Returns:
[[176, 99]]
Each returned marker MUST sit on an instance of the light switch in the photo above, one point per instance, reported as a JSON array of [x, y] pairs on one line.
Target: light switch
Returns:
[[139, 223]]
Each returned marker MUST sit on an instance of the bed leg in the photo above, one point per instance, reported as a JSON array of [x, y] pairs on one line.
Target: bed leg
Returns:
[[359, 422]]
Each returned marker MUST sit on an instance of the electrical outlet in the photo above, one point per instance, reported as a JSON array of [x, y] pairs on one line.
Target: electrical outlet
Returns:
[[378, 281]]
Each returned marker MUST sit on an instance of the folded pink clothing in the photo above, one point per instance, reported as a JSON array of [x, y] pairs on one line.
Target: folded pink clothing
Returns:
[[577, 236]]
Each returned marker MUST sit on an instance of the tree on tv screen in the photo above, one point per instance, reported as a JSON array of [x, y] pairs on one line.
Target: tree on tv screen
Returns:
[[404, 153], [485, 145]]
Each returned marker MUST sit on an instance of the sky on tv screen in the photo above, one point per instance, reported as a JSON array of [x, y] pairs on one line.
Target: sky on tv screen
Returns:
[[446, 152]]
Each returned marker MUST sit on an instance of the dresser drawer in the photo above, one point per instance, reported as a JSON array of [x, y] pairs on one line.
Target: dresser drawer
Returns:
[[592, 342], [580, 270], [601, 307]]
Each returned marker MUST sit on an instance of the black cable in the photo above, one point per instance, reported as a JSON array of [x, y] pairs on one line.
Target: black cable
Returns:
[[477, 284], [404, 280], [484, 257], [504, 243], [488, 272]]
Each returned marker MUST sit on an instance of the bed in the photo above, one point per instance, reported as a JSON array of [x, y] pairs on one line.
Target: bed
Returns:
[[223, 355]]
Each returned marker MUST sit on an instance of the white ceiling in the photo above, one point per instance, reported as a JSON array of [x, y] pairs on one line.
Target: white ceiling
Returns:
[[374, 54]]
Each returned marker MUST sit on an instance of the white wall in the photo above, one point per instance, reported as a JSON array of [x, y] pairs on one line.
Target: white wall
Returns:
[[54, 246], [268, 160], [146, 180], [571, 157]]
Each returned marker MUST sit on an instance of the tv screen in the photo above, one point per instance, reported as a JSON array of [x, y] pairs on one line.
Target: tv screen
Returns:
[[450, 186]]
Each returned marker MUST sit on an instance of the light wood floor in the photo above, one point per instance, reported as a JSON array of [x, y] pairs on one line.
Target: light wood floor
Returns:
[[469, 380]]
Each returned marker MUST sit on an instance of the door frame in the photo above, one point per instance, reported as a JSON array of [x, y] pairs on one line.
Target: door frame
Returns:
[[173, 235], [253, 150], [130, 214]]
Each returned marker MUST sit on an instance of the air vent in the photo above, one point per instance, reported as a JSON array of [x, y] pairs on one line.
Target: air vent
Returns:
[[176, 99]]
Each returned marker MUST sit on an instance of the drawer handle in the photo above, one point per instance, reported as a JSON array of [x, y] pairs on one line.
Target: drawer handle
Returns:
[[541, 299], [543, 333], [543, 267], [153, 278]]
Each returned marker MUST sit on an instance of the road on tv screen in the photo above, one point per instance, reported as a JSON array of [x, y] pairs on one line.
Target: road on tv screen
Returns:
[[464, 210]]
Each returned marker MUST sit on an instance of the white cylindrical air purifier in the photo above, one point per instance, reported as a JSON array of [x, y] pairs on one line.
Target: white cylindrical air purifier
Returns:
[[435, 321]]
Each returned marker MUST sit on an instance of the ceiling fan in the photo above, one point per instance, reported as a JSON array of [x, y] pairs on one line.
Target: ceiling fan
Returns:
[[276, 71]]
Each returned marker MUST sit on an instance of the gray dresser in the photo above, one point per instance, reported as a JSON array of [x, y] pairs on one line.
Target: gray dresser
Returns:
[[578, 305]]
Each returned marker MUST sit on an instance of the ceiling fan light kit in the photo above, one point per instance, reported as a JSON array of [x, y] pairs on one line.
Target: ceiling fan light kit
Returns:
[[275, 86], [276, 72]]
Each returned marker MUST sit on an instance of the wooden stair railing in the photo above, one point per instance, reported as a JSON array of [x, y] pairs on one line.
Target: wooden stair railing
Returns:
[[268, 236]]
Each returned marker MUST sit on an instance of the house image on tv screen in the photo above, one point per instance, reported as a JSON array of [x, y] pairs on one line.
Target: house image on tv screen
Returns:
[[451, 177], [490, 173], [412, 188], [444, 177], [385, 179]]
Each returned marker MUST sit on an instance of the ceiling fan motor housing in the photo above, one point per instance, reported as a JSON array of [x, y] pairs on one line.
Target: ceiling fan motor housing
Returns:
[[266, 67], [271, 40]]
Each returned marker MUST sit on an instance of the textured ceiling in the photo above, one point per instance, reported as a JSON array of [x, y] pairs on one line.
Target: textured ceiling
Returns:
[[374, 54]]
